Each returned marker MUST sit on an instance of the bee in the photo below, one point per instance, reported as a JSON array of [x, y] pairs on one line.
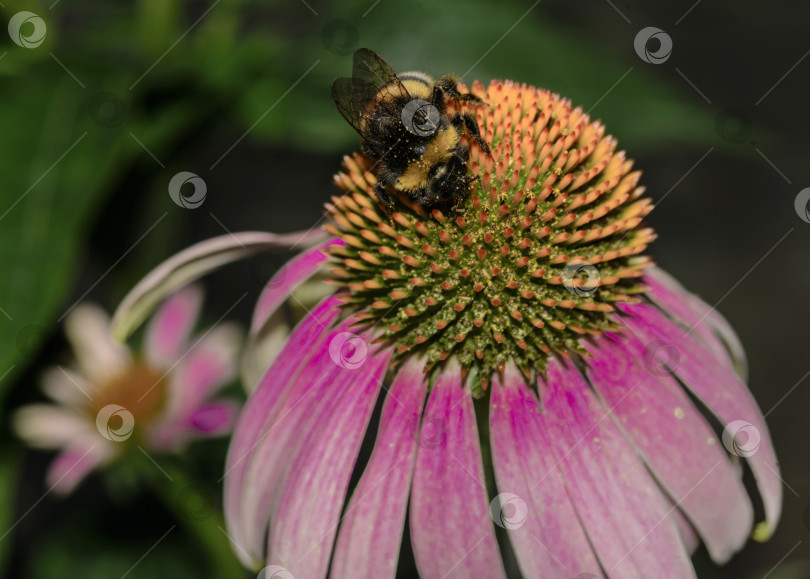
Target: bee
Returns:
[[405, 128]]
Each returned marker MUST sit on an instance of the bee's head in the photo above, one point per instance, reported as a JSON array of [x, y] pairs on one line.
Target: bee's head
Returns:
[[446, 179]]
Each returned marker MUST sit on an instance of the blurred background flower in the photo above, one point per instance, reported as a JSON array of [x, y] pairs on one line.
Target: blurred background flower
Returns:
[[103, 112], [160, 398]]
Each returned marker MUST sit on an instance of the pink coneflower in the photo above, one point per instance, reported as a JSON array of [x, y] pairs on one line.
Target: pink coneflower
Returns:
[[114, 399], [542, 386]]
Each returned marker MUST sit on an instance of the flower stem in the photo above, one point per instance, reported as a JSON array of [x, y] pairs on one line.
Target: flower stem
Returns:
[[195, 508]]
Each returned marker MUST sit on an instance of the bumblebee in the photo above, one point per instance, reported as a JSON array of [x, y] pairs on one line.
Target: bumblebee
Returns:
[[405, 128]]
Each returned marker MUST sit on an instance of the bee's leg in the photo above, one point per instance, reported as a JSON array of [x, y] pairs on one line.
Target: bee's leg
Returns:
[[462, 153], [437, 99], [448, 83], [384, 197], [468, 122]]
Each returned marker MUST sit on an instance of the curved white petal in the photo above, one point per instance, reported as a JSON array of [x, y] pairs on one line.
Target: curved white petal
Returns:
[[194, 262], [98, 355]]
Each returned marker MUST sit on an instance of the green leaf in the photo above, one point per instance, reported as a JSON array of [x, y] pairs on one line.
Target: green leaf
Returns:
[[51, 181]]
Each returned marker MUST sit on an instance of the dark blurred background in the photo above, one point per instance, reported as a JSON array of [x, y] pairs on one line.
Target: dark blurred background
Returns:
[[121, 96]]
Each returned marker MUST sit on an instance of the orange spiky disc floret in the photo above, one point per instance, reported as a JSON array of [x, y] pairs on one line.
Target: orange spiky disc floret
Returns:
[[547, 242]]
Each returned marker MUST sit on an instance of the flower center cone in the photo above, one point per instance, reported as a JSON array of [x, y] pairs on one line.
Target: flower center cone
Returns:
[[547, 242]]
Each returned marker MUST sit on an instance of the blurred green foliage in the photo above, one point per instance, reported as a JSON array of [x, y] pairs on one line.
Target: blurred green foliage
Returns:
[[115, 83]]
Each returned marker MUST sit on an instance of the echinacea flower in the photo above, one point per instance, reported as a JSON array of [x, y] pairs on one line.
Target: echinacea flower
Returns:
[[114, 398], [541, 385]]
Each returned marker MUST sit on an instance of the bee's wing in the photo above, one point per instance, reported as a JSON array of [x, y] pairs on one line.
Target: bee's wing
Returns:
[[370, 74]]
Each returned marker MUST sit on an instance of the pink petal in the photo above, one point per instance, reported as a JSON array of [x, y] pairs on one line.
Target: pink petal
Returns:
[[303, 528], [214, 419], [720, 389], [283, 437], [260, 350], [371, 532], [627, 519], [695, 315], [712, 319], [170, 327], [71, 466], [208, 365], [451, 529], [549, 541], [286, 280], [259, 416], [689, 536], [675, 441], [208, 421]]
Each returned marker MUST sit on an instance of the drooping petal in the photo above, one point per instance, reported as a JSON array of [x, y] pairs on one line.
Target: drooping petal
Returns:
[[71, 466], [293, 273], [675, 441], [254, 428], [99, 357], [303, 530], [543, 526], [698, 317], [168, 330], [689, 536], [721, 328], [451, 530], [259, 348], [49, 426], [291, 417], [703, 315], [621, 507], [194, 262], [720, 389], [371, 532]]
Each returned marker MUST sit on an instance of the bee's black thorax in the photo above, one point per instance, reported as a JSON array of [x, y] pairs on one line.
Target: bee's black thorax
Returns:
[[404, 125]]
